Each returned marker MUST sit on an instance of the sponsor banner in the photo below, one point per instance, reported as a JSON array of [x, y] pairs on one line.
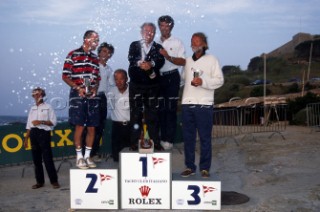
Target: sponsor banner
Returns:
[[12, 138], [196, 195], [94, 189], [145, 180]]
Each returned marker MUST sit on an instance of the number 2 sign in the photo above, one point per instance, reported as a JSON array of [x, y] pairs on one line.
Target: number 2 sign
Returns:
[[94, 189]]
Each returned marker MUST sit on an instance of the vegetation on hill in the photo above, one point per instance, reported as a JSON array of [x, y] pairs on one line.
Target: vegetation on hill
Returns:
[[290, 73], [294, 67]]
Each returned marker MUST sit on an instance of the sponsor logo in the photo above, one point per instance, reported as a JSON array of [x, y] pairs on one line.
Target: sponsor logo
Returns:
[[104, 177], [180, 201], [78, 201], [157, 161], [208, 189], [144, 191], [108, 202], [213, 202]]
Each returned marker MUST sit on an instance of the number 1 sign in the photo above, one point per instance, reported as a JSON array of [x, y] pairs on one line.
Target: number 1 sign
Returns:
[[145, 180]]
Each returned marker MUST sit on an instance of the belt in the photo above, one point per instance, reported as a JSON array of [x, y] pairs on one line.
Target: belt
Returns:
[[168, 72], [124, 123]]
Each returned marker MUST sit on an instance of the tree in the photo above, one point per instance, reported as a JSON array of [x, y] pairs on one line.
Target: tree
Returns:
[[230, 69], [256, 64]]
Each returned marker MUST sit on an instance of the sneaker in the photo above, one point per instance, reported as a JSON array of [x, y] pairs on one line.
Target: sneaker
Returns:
[[166, 145], [97, 159], [187, 173], [81, 164], [205, 174], [90, 163]]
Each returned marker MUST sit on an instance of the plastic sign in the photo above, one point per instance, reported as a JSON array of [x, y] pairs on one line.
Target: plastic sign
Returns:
[[145, 180], [94, 189]]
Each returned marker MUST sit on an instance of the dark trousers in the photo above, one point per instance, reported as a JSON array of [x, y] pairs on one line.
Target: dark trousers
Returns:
[[169, 96], [120, 138], [41, 150], [144, 105], [100, 129], [197, 118]]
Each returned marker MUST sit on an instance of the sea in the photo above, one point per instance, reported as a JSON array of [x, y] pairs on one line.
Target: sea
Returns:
[[11, 120]]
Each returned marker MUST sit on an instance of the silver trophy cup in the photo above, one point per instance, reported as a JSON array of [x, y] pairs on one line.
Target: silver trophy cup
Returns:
[[196, 73], [87, 85]]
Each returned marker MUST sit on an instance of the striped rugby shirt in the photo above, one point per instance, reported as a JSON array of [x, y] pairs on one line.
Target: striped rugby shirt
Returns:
[[79, 64]]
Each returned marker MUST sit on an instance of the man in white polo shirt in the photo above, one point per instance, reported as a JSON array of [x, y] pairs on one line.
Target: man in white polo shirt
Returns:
[[174, 54]]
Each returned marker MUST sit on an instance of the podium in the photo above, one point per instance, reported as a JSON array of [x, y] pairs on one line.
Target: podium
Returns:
[[94, 189], [145, 181], [196, 194]]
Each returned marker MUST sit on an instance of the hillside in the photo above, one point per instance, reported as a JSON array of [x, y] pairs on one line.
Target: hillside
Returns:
[[290, 68]]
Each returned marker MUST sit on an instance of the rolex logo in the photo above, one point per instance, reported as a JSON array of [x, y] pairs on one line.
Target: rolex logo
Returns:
[[144, 190]]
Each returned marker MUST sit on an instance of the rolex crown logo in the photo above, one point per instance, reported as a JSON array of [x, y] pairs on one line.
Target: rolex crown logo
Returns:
[[144, 190]]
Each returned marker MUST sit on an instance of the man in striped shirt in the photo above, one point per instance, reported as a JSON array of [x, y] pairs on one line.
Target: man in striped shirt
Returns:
[[81, 73]]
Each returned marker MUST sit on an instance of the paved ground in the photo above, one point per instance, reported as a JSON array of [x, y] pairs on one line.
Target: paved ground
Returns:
[[276, 174]]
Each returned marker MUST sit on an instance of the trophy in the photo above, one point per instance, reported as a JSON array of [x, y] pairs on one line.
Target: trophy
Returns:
[[145, 143], [196, 73], [87, 85]]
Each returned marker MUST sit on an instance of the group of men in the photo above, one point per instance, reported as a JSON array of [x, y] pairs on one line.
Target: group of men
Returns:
[[152, 93]]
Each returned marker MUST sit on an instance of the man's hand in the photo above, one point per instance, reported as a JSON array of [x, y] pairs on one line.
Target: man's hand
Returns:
[[146, 65], [164, 53], [197, 81]]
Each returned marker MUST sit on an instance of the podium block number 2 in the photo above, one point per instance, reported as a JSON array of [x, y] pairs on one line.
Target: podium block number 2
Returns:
[[94, 189]]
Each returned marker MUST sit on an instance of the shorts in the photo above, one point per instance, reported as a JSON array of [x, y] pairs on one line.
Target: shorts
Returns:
[[83, 111]]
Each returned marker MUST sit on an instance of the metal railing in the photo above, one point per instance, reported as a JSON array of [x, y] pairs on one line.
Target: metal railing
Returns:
[[313, 116], [231, 122]]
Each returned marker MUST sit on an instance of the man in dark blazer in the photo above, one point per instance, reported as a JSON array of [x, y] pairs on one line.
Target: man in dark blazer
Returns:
[[145, 62]]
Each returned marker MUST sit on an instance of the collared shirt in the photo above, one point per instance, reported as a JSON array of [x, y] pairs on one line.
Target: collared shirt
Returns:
[[175, 48], [145, 49], [119, 104], [79, 65], [43, 112], [107, 79]]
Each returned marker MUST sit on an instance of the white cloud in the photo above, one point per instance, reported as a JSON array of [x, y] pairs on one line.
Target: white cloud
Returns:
[[67, 12], [56, 9]]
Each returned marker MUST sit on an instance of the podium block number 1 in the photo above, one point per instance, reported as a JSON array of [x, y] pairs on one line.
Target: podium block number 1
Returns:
[[145, 180]]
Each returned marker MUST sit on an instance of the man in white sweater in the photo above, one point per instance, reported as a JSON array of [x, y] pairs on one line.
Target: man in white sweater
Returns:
[[202, 75]]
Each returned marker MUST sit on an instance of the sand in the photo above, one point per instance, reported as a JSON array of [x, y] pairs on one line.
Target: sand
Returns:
[[276, 174]]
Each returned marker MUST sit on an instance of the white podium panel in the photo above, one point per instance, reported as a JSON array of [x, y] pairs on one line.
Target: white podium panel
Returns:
[[94, 189], [145, 180], [196, 195]]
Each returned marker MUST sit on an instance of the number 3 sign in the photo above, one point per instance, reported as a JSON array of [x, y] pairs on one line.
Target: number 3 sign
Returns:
[[200, 195]]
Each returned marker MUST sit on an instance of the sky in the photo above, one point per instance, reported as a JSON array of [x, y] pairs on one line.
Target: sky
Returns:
[[37, 35]]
